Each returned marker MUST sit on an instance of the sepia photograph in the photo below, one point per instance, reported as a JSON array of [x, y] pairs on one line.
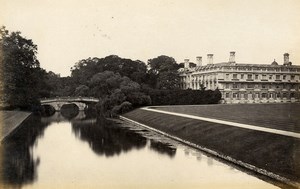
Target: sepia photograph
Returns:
[[150, 94]]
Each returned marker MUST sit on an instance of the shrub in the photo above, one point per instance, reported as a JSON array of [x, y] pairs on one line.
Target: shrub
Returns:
[[125, 107], [184, 97]]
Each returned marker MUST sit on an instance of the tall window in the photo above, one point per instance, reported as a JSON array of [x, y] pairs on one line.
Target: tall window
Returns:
[[292, 77], [256, 76], [277, 77], [227, 95], [270, 76], [264, 76], [235, 95], [242, 76], [235, 86], [249, 96], [292, 95], [284, 77], [249, 76], [293, 86], [227, 76], [234, 76]]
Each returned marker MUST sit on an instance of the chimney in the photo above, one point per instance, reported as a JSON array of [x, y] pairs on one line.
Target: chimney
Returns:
[[186, 63], [199, 60], [286, 60], [232, 57], [210, 58]]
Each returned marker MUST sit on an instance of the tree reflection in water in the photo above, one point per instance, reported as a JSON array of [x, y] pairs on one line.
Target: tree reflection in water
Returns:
[[163, 148], [107, 138], [18, 164]]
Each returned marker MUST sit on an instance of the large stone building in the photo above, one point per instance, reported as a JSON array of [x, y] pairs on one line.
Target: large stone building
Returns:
[[244, 83]]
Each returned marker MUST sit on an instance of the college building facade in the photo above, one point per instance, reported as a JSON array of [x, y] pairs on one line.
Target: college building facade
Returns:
[[244, 83]]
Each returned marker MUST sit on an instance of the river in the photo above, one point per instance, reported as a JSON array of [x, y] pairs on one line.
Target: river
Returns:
[[81, 152]]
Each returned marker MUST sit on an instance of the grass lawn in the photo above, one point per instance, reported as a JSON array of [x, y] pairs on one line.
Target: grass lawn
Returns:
[[276, 116]]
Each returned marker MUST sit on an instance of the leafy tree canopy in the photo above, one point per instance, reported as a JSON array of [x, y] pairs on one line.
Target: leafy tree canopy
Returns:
[[162, 63], [86, 68], [23, 79], [168, 80]]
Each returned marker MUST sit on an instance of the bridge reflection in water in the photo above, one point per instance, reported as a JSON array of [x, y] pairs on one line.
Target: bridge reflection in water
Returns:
[[59, 117], [84, 152]]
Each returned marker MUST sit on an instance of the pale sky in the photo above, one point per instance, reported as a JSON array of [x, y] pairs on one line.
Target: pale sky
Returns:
[[70, 30]]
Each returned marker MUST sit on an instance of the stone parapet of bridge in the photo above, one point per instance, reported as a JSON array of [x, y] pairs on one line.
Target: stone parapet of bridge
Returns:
[[58, 102], [69, 99]]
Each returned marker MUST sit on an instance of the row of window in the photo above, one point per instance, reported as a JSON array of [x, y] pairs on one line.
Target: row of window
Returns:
[[262, 77], [263, 86], [258, 95], [283, 69], [202, 77]]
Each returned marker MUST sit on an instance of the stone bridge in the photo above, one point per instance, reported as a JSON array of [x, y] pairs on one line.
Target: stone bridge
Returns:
[[58, 102]]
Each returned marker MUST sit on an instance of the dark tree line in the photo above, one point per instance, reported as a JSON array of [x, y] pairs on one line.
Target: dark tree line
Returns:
[[22, 80], [186, 97], [121, 84]]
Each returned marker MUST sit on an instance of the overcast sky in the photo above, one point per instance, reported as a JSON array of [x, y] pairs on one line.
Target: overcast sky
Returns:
[[67, 31]]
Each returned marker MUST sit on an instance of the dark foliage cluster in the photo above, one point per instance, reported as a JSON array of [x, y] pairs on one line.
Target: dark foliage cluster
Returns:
[[22, 80], [184, 97]]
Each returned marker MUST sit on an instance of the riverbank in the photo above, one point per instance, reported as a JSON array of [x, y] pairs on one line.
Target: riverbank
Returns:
[[10, 121], [270, 154]]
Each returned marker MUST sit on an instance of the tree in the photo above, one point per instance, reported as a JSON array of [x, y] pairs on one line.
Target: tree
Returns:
[[161, 64], [104, 83], [23, 79], [86, 68], [163, 73], [168, 80], [81, 90], [112, 89]]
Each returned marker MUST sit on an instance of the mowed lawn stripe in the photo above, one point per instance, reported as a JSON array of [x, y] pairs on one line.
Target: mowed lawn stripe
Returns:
[[229, 123]]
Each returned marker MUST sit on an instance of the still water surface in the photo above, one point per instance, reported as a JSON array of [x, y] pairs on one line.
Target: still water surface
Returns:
[[59, 152]]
